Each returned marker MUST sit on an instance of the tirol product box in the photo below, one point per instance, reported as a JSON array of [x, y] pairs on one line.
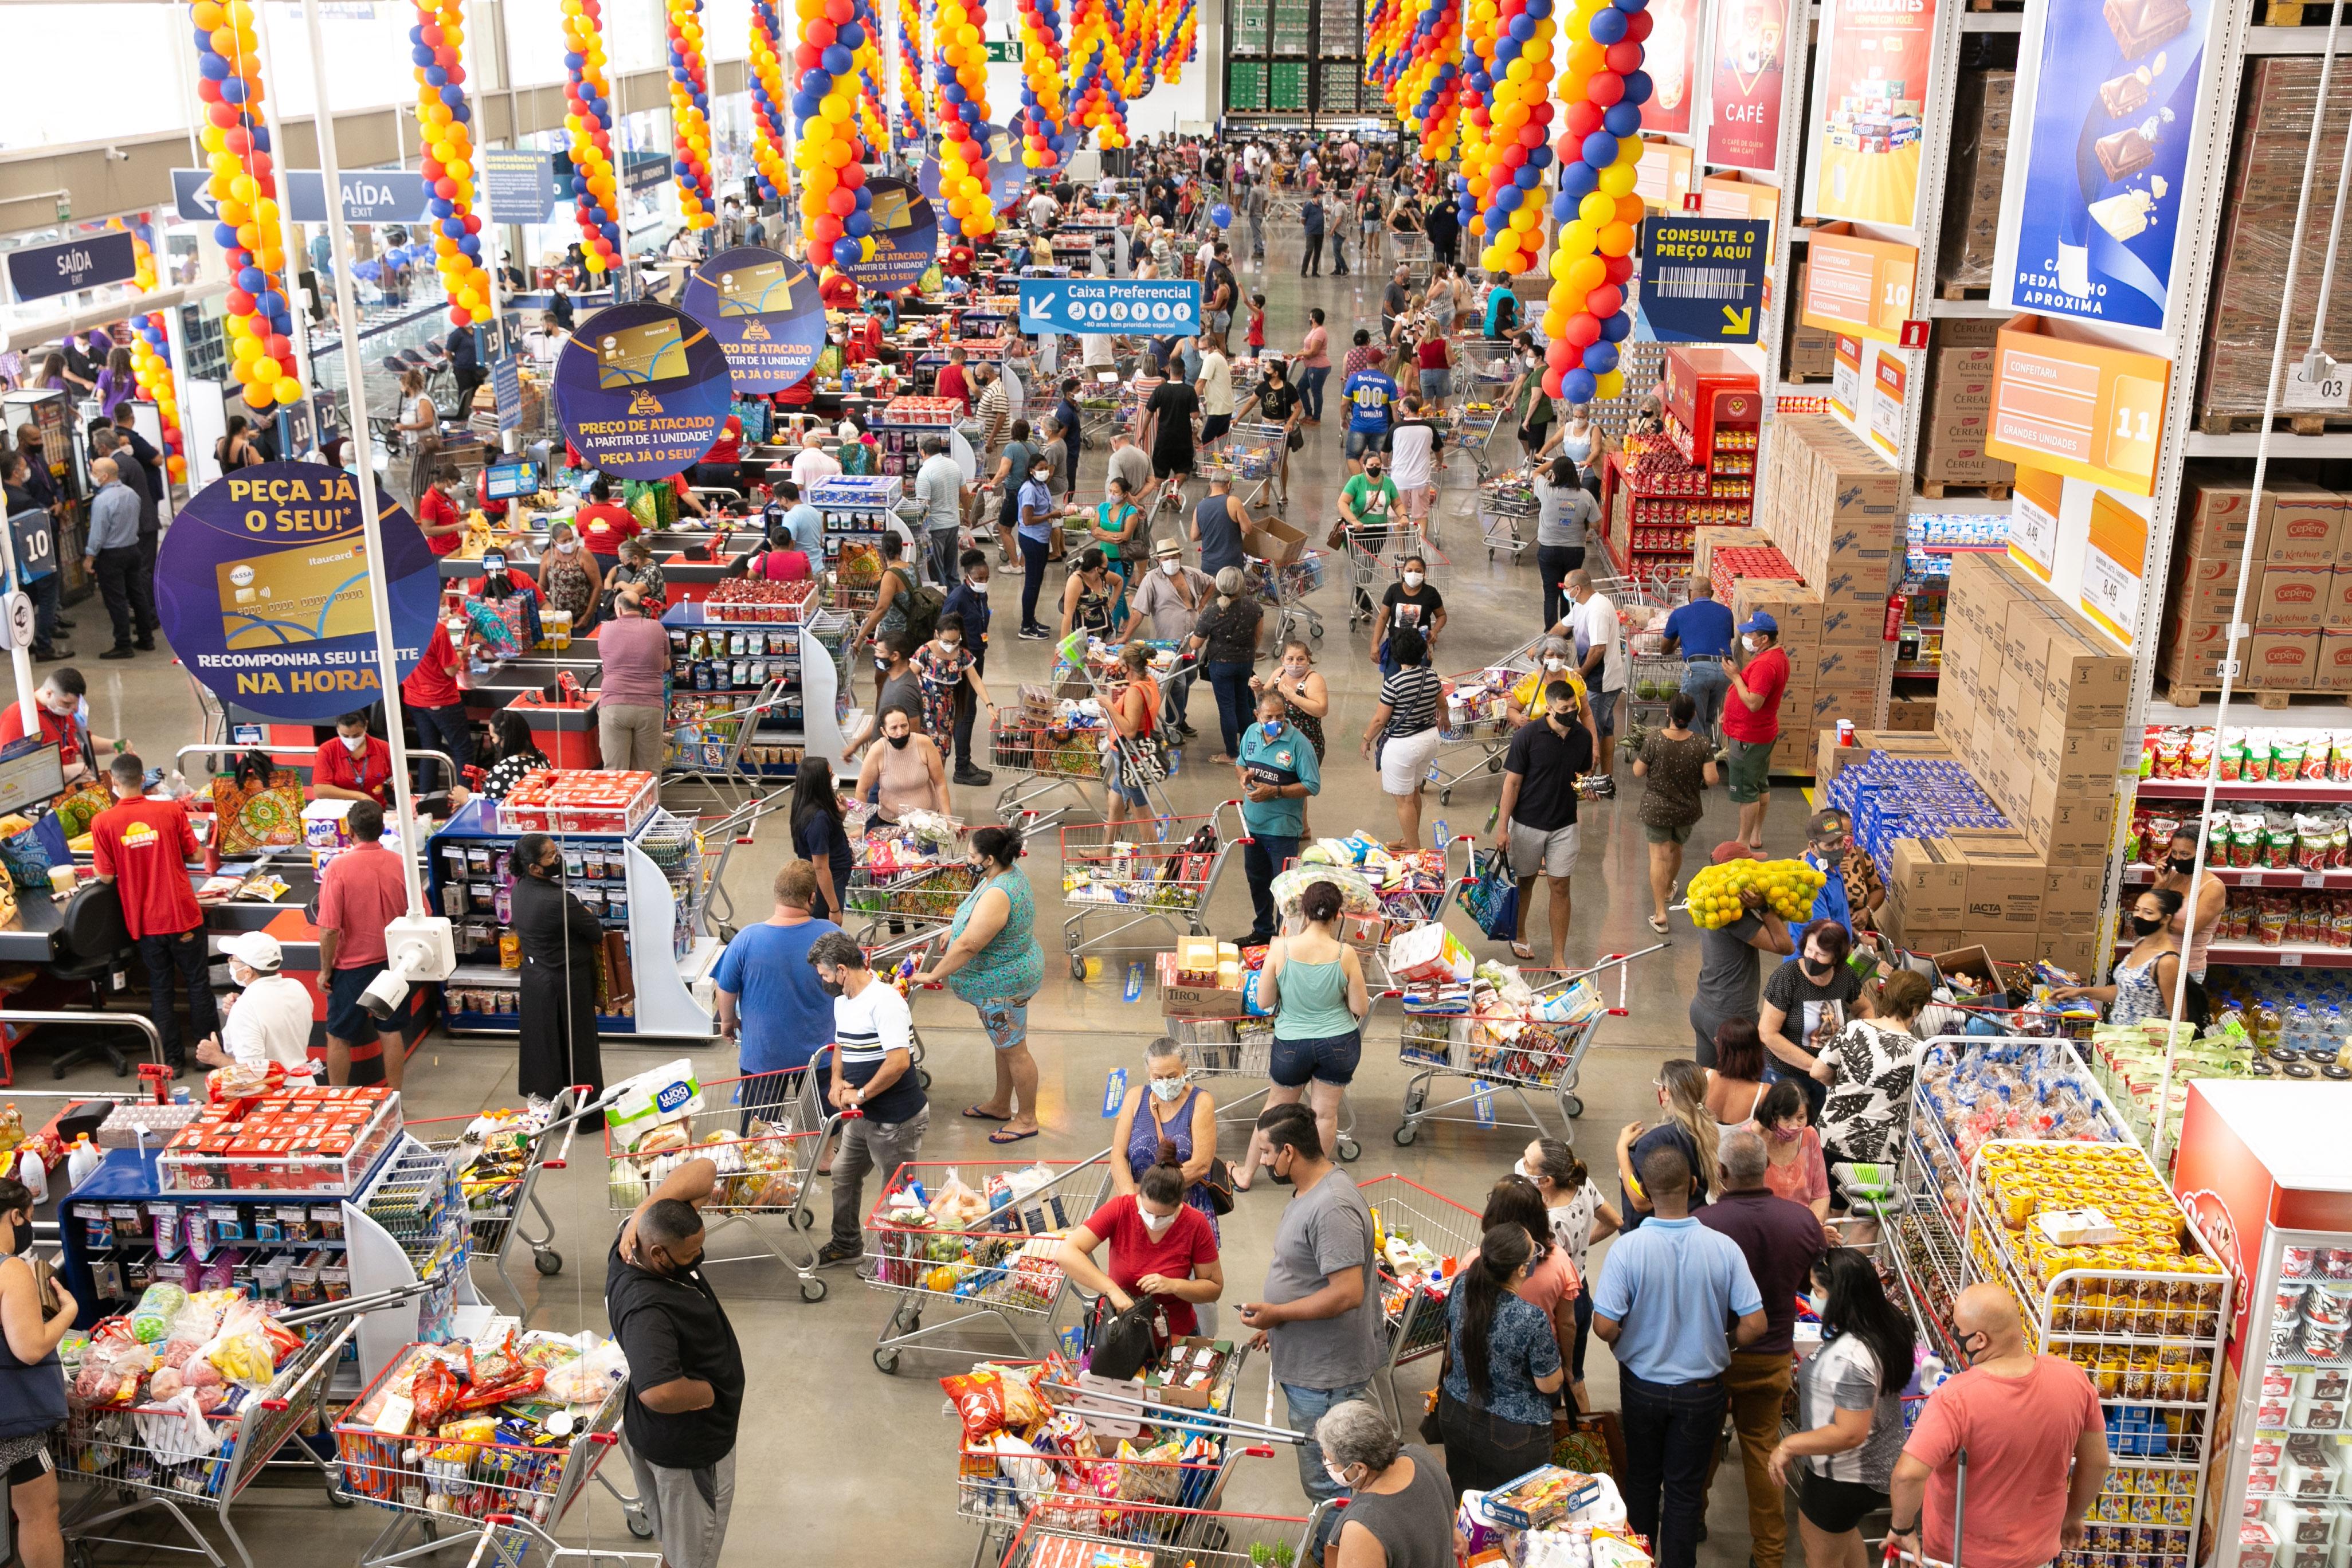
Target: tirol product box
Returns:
[[1794, 607], [2281, 661], [2334, 673], [1855, 704], [1911, 715], [2292, 598]]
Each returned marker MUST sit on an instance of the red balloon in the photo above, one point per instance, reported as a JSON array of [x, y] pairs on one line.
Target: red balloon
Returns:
[[446, 189], [1531, 136], [1560, 354], [1582, 330], [223, 115], [840, 11], [1623, 57], [473, 223], [820, 254], [840, 202], [457, 72], [1618, 268], [430, 167], [429, 35], [1605, 301], [208, 89], [852, 176], [1638, 26], [458, 317], [808, 57], [821, 33], [1584, 118], [1551, 383], [278, 346], [239, 302], [1605, 88]]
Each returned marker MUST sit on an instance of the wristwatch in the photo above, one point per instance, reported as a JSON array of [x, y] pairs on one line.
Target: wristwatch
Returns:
[[1911, 1529]]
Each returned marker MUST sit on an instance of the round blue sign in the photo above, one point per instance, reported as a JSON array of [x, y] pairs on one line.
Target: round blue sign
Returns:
[[905, 238], [763, 309], [640, 390], [261, 584], [1008, 179]]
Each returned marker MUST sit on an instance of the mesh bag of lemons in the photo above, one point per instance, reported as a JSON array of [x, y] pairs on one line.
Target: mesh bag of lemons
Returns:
[[1787, 887]]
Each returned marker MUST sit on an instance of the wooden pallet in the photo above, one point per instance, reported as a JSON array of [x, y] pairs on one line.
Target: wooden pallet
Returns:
[[2181, 694], [2302, 422], [2293, 13], [1986, 492], [1964, 290]]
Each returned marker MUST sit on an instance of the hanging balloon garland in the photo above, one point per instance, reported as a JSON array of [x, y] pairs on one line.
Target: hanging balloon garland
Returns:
[[1044, 135], [1096, 101], [259, 319], [588, 116], [1140, 63], [445, 124], [768, 97], [1182, 35], [151, 368], [1603, 86], [868, 58], [912, 122], [834, 198], [1517, 155], [1437, 43], [689, 115], [1484, 20], [142, 251], [962, 76]]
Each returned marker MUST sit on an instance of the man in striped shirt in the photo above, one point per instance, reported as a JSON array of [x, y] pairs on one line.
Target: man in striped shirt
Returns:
[[873, 1070]]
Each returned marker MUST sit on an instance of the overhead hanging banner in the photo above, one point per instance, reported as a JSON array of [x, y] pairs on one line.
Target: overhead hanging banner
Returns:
[[1744, 113], [640, 390], [85, 261], [1670, 54], [1164, 307], [763, 309], [262, 586], [2106, 112], [1863, 148], [905, 238]]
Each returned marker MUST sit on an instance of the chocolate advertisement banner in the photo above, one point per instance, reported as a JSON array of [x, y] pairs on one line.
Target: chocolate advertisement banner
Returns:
[[640, 390], [261, 584], [1868, 94], [764, 311], [1744, 114], [2104, 124], [905, 238]]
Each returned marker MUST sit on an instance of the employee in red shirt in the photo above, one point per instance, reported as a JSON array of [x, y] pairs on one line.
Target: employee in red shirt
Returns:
[[960, 260], [59, 699], [354, 765], [837, 289], [721, 467], [438, 515], [1751, 723], [603, 524], [362, 891], [430, 693], [952, 382], [143, 848]]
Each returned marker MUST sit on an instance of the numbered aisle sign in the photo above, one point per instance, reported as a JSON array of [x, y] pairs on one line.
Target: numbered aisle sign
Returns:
[[1161, 308], [2077, 408]]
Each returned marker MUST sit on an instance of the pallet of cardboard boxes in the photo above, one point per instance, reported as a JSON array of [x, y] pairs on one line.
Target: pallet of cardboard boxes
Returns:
[[2298, 595]]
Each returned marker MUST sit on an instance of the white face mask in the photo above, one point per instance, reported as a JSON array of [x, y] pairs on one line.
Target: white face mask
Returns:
[[1748, 643], [1169, 1089], [1412, 579], [1171, 567], [568, 545], [1521, 1169], [1820, 1302], [1338, 1476], [1555, 664], [1156, 1224], [356, 745]]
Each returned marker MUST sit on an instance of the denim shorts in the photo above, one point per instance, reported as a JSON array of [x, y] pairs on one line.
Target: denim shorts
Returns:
[[347, 1019], [1331, 1059]]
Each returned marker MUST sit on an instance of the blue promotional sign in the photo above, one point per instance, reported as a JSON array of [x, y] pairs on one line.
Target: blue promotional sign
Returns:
[[905, 238], [640, 390], [1164, 307], [763, 309], [1702, 278], [506, 387], [643, 171], [262, 587], [41, 271], [517, 185], [507, 481], [33, 535], [370, 196]]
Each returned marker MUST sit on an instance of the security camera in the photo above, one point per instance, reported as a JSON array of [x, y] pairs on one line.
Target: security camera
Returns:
[[420, 948], [117, 155]]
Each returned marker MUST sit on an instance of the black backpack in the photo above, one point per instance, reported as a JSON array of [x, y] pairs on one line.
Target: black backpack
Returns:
[[923, 607]]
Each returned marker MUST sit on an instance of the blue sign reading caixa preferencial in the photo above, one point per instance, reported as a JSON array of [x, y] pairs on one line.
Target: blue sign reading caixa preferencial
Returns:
[[1164, 308]]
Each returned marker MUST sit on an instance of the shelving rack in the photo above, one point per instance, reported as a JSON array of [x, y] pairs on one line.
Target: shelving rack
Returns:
[[1295, 62]]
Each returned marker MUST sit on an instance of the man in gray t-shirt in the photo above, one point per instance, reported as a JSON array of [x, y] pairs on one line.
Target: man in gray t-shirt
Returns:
[[1729, 961], [1321, 1313]]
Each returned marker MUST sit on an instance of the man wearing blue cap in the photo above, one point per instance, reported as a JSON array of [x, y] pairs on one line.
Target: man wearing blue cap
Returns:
[[1751, 722]]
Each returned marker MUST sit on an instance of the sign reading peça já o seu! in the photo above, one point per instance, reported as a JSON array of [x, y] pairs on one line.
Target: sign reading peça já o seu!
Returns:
[[262, 586], [640, 390]]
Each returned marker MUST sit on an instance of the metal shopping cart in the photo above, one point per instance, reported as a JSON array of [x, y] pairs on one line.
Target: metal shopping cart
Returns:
[[1284, 590], [1041, 752], [904, 892], [1516, 1048], [1507, 513], [1057, 1537], [1000, 1264], [1476, 731], [1138, 873], [1473, 420], [507, 1538], [1375, 556], [498, 1155], [1422, 1236], [1260, 454], [1242, 1049]]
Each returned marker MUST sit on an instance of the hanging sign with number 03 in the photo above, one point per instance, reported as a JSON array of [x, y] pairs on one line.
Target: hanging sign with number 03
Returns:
[[2077, 408]]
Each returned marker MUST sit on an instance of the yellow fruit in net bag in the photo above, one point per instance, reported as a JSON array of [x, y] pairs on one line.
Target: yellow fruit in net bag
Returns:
[[1786, 886]]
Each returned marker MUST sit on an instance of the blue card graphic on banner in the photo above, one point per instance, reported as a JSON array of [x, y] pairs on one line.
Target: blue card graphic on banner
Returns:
[[763, 309], [906, 236], [262, 586], [1162, 307], [1702, 278], [2109, 103], [640, 390]]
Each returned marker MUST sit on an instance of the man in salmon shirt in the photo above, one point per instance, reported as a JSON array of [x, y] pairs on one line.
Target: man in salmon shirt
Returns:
[[143, 848], [354, 765]]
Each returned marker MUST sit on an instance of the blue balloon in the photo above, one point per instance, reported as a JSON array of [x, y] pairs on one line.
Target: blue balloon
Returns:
[[1608, 26], [1578, 386], [1578, 179], [1507, 197], [1621, 119], [838, 59], [1616, 329], [233, 90], [1563, 206], [1637, 87], [1507, 49], [1527, 177], [215, 67], [572, 62], [1600, 358], [846, 251], [452, 95], [858, 224], [865, 197], [224, 236], [434, 75], [269, 303], [252, 280], [1599, 150], [849, 35], [260, 134], [1222, 215], [1523, 26], [1540, 156]]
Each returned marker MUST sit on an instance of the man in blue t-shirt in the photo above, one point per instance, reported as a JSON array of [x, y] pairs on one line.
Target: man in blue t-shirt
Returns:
[[1370, 397], [1701, 631], [803, 521], [769, 999]]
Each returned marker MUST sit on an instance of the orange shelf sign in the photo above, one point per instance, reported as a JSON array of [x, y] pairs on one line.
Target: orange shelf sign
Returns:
[[1859, 286], [2071, 407]]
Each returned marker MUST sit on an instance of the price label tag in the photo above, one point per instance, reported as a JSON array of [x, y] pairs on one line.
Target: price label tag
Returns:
[[2290, 961], [2315, 878], [2328, 391]]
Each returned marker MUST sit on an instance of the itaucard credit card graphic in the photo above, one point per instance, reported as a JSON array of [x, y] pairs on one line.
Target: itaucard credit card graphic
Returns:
[[763, 289], [634, 357], [308, 593]]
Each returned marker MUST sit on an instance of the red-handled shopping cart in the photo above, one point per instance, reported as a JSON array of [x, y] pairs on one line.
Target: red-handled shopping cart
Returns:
[[1160, 871], [1056, 1537], [500, 1155], [1242, 1049], [1422, 1236]]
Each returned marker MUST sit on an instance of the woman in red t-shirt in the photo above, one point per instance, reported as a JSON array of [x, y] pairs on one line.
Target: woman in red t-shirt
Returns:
[[1160, 1248]]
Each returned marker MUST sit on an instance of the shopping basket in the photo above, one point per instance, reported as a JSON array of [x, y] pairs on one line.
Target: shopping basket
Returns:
[[1422, 1237], [1140, 874], [1001, 1266], [500, 1155]]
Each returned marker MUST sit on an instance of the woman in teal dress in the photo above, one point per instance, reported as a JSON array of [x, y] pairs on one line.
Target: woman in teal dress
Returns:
[[993, 962]]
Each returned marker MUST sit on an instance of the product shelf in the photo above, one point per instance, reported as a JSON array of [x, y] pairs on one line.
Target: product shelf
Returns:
[[2140, 876], [2287, 955], [2293, 790]]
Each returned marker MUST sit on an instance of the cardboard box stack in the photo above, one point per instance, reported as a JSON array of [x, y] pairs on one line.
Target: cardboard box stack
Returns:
[[1812, 351], [1959, 408], [1972, 199], [2033, 703], [2298, 601]]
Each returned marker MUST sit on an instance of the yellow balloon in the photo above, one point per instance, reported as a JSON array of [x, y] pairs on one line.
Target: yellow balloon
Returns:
[[1617, 179]]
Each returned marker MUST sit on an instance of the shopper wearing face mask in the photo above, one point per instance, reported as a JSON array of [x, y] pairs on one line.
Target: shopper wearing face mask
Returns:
[[1093, 600], [270, 1018], [904, 769], [1409, 602], [1399, 1512], [2145, 978], [1161, 1249], [60, 701], [873, 1073], [633, 661], [1133, 713], [1115, 525], [567, 578], [993, 961], [1806, 1003], [1168, 600], [557, 1009], [1849, 1411], [952, 693], [33, 1320], [1751, 723], [354, 765], [1168, 1107], [2176, 873], [1701, 632], [1305, 697], [1503, 1362], [1278, 771], [1040, 516], [900, 686], [1536, 824]]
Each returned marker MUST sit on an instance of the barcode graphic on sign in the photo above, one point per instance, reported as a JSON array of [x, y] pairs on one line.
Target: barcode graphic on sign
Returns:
[[1698, 283]]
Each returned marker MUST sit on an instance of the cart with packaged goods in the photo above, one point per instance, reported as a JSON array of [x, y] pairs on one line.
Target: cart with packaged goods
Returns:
[[1059, 737], [1474, 732], [529, 1456], [1283, 589], [908, 876], [1141, 873], [1376, 555], [1058, 1537], [1496, 1038], [1260, 453], [934, 1242], [1507, 513], [1471, 424], [1420, 1238], [1383, 891], [499, 1156], [506, 1539]]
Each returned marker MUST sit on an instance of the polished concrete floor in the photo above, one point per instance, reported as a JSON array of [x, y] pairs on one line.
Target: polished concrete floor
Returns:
[[839, 1463]]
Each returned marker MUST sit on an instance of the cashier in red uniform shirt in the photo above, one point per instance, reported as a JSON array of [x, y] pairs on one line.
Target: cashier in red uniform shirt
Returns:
[[837, 289], [438, 515], [432, 698], [60, 701], [354, 765], [603, 524], [143, 848]]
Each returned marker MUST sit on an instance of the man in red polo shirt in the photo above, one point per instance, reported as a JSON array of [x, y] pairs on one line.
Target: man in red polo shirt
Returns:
[[143, 848], [603, 524], [431, 693], [354, 765], [362, 891], [1751, 723], [59, 699], [437, 516]]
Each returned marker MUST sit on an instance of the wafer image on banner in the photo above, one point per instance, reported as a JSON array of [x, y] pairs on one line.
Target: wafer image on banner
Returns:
[[639, 355], [312, 592], [756, 291]]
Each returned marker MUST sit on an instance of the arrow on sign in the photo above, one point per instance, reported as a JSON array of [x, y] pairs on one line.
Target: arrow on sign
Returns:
[[1045, 303], [1740, 322]]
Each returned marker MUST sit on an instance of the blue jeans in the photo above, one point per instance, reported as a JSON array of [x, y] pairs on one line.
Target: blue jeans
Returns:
[[1306, 1407], [1262, 855], [446, 730], [1671, 1430], [1229, 678], [1311, 389], [1033, 577], [1707, 681]]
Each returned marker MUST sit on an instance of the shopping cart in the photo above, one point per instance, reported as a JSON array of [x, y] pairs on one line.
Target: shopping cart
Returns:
[[1260, 454], [1413, 252], [1375, 556], [1652, 683], [125, 1459], [1472, 422], [1442, 1034], [498, 1155], [427, 1484], [1165, 879], [1244, 1048], [1043, 749], [1507, 508], [1284, 590], [1001, 1266], [1476, 731], [1056, 1537], [765, 1137], [1422, 1237], [507, 1538]]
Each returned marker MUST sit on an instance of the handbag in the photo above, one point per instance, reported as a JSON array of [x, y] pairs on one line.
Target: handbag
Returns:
[[1432, 1431], [1491, 896], [1219, 1185], [257, 806], [1594, 1444], [1124, 1342]]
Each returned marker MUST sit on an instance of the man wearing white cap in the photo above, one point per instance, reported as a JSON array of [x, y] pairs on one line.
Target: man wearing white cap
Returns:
[[269, 1019]]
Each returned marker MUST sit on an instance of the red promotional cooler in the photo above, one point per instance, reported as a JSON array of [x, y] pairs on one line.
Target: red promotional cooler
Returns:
[[2266, 1173]]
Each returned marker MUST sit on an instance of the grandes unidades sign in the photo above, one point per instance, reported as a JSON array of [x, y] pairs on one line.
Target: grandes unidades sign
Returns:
[[262, 586]]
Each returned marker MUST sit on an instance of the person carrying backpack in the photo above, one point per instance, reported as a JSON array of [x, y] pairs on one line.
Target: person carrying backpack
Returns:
[[902, 604]]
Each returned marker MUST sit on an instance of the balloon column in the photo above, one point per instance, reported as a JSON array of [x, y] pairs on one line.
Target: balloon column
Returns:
[[690, 114], [1141, 66], [1182, 35], [1517, 155], [1603, 86], [1376, 39], [1396, 46], [910, 71], [834, 197], [1096, 99], [1432, 87], [151, 367], [259, 319], [142, 252], [1483, 23], [588, 116], [447, 162], [1043, 137], [768, 98], [962, 76], [868, 58]]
